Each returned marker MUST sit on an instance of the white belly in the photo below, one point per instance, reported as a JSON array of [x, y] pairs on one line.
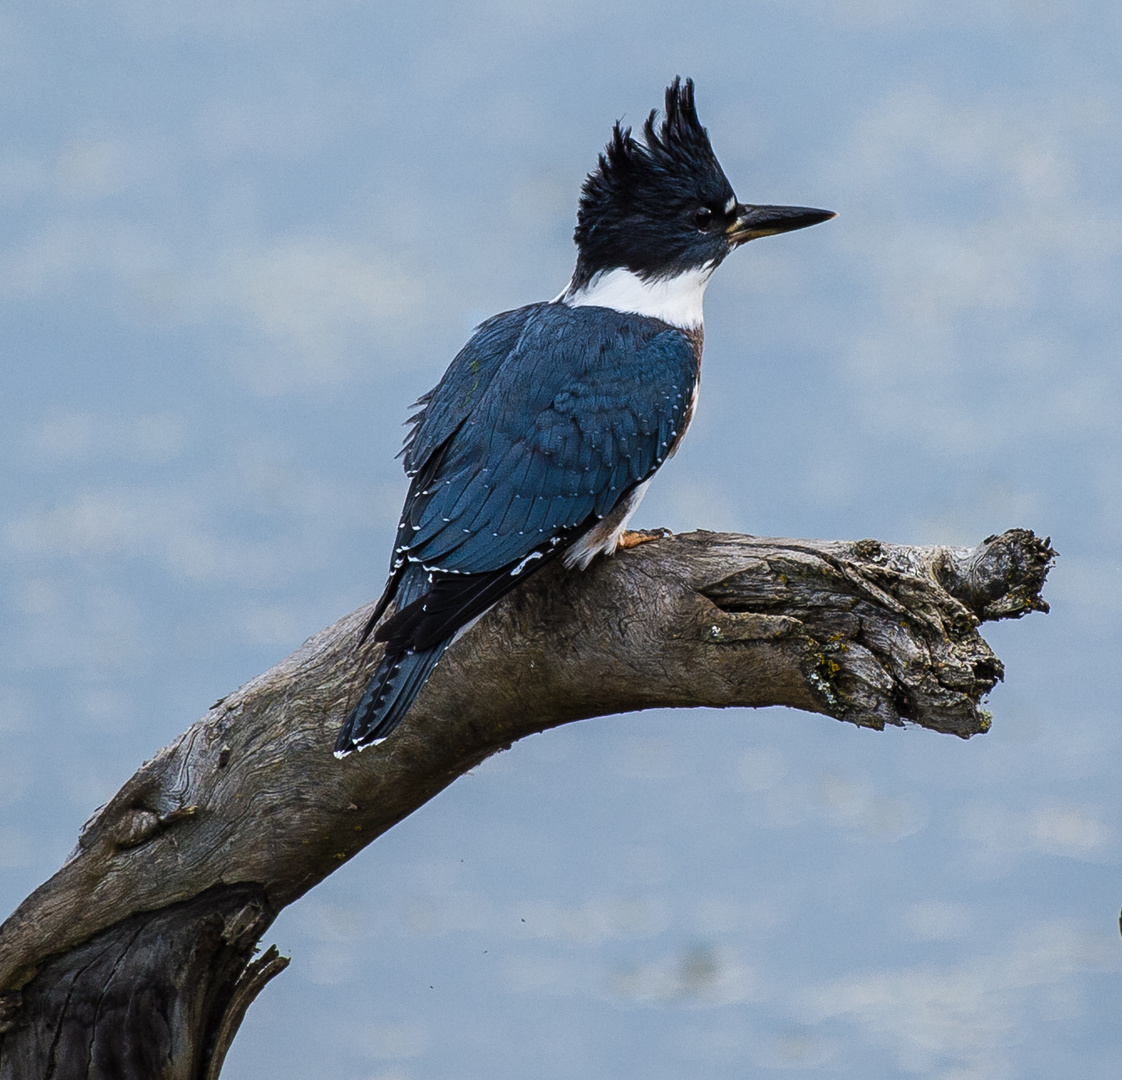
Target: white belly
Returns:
[[603, 537]]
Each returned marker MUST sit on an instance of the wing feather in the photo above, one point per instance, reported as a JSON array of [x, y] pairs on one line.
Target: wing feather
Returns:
[[520, 451], [546, 421]]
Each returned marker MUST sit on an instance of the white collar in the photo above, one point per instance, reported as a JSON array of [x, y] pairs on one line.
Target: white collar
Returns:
[[675, 300]]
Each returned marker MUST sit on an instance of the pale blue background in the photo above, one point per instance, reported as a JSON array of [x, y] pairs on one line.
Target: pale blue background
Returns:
[[238, 238]]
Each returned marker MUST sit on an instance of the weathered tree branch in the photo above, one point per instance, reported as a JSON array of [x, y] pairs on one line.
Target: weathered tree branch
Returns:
[[134, 959]]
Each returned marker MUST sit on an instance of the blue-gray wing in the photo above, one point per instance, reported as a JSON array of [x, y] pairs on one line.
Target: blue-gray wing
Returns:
[[585, 405], [544, 422], [460, 389]]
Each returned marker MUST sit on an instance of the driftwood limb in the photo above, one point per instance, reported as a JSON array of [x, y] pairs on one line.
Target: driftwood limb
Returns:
[[139, 947]]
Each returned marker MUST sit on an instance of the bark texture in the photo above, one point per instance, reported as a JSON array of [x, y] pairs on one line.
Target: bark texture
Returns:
[[134, 959]]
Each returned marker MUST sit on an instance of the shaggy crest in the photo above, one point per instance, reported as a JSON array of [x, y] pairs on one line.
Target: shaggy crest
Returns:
[[640, 188]]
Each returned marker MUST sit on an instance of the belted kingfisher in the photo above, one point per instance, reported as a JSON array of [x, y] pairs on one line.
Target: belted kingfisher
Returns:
[[544, 432]]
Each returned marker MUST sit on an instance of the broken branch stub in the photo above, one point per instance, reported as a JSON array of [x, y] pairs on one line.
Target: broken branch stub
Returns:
[[892, 630]]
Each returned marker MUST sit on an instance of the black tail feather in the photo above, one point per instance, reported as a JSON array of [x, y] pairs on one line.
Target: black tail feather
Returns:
[[432, 607], [451, 601], [387, 698]]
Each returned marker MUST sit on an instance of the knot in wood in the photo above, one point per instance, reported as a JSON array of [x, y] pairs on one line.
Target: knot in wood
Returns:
[[134, 827]]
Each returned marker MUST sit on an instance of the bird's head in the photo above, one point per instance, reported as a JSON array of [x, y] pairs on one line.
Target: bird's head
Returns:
[[662, 206]]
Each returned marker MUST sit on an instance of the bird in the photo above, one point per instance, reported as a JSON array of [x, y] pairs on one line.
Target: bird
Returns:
[[541, 438]]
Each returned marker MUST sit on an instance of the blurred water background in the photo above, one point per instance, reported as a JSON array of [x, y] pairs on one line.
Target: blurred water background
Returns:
[[238, 238]]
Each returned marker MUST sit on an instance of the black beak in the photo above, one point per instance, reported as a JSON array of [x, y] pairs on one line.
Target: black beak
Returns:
[[755, 221]]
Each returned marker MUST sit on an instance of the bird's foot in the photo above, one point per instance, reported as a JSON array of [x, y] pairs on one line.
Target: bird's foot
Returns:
[[631, 539]]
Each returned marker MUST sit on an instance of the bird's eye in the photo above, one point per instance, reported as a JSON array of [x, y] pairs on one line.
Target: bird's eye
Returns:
[[703, 217]]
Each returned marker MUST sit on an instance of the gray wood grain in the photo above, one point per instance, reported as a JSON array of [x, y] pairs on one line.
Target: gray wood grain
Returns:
[[133, 960]]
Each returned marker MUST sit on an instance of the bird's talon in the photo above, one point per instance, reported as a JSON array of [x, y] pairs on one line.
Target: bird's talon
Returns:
[[631, 539]]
